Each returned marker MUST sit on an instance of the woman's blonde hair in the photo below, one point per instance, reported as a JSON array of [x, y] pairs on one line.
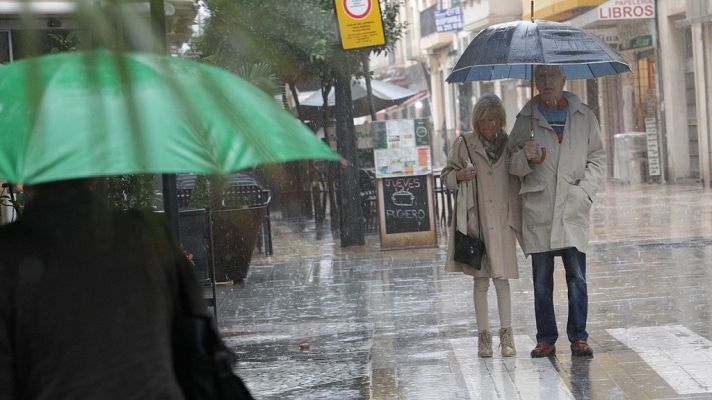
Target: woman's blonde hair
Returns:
[[488, 102]]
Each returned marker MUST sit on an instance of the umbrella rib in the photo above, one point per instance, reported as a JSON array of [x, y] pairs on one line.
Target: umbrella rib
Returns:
[[541, 46]]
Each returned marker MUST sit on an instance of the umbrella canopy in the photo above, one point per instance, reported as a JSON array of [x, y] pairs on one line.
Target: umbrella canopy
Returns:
[[384, 95], [102, 113], [510, 49]]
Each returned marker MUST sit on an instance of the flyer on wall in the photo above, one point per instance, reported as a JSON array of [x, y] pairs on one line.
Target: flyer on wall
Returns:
[[401, 147]]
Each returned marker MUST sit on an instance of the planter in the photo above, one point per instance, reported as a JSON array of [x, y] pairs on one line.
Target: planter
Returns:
[[225, 237], [234, 234]]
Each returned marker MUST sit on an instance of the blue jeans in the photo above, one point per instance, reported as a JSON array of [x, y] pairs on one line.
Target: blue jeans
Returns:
[[543, 273]]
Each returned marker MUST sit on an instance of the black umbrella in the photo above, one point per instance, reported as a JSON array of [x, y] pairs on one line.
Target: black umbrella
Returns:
[[511, 51]]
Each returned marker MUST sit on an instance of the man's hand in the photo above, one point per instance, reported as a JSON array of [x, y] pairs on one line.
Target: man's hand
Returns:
[[466, 174], [531, 150]]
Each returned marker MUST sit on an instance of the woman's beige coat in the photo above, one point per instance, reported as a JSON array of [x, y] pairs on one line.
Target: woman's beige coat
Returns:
[[557, 194], [500, 209]]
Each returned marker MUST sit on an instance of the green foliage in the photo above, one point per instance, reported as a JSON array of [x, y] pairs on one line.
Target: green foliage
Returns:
[[392, 27], [299, 39], [130, 191], [260, 75], [200, 197], [64, 43]]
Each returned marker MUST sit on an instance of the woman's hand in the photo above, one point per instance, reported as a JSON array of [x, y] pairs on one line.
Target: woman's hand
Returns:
[[466, 174]]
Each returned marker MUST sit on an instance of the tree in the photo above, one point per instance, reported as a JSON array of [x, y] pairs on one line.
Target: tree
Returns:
[[199, 197], [298, 39]]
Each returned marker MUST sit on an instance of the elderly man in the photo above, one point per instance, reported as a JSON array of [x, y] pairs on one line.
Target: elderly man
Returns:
[[557, 193]]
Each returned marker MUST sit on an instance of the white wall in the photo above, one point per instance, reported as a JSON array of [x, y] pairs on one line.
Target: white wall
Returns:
[[673, 78]]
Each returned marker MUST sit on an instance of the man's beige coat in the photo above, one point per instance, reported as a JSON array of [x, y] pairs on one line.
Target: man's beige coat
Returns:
[[557, 194], [500, 209]]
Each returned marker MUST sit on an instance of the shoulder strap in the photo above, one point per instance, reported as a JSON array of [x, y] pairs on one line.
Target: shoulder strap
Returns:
[[477, 199], [468, 151]]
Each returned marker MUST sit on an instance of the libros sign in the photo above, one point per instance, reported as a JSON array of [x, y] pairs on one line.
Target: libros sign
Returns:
[[626, 9]]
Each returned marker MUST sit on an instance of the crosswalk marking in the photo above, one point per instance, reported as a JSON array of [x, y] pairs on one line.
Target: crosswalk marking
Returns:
[[681, 357], [520, 377]]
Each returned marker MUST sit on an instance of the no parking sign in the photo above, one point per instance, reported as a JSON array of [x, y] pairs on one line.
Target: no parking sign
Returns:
[[360, 23]]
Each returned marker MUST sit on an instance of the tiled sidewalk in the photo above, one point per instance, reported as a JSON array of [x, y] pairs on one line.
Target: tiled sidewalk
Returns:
[[316, 321]]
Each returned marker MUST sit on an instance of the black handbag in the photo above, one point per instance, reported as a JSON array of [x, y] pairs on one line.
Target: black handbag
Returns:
[[202, 363], [470, 250]]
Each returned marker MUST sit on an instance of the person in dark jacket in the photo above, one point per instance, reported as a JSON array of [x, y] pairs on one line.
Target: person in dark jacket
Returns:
[[87, 300]]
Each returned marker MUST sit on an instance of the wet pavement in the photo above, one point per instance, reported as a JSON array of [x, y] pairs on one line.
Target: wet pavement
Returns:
[[315, 321]]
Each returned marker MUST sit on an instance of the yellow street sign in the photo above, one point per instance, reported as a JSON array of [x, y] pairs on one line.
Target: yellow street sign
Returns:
[[360, 23]]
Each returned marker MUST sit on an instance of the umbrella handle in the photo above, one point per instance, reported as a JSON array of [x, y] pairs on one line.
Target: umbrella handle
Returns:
[[543, 157], [543, 151], [533, 107], [531, 122]]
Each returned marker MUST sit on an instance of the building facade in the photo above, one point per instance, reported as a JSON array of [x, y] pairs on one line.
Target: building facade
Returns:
[[655, 121], [22, 19], [685, 35]]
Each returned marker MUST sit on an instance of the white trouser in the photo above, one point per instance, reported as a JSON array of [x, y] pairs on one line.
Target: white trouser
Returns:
[[504, 303]]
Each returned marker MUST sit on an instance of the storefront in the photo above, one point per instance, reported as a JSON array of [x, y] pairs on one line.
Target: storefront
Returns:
[[626, 104]]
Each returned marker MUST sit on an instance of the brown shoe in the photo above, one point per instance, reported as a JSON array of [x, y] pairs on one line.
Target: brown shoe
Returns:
[[580, 348], [543, 349]]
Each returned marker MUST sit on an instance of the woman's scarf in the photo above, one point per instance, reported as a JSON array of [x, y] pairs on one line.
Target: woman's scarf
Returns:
[[495, 148]]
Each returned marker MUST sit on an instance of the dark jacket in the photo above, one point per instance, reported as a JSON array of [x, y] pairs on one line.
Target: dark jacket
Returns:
[[87, 303]]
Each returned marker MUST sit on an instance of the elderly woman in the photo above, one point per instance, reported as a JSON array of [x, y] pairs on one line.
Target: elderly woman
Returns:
[[485, 183]]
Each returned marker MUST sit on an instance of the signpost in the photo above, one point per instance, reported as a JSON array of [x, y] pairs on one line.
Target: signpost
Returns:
[[626, 9], [405, 204], [360, 23], [360, 26], [404, 183], [449, 20]]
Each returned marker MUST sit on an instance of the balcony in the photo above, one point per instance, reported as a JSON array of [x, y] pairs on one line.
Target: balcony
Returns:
[[429, 37]]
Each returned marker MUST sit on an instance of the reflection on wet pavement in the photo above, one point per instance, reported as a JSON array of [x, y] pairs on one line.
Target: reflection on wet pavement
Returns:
[[316, 321]]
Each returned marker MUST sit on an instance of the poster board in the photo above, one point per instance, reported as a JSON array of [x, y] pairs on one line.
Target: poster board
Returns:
[[651, 135], [406, 212], [401, 147]]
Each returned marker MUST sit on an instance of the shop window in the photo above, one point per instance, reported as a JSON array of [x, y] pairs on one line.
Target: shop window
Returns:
[[645, 98]]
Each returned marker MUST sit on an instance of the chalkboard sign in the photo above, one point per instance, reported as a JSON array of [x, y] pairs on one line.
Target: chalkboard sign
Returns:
[[406, 212], [405, 204]]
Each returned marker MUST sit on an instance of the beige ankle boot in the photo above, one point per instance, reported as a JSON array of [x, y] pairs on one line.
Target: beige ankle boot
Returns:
[[506, 342], [484, 344]]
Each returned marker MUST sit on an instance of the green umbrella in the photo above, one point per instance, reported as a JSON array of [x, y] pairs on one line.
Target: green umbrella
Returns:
[[103, 113]]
